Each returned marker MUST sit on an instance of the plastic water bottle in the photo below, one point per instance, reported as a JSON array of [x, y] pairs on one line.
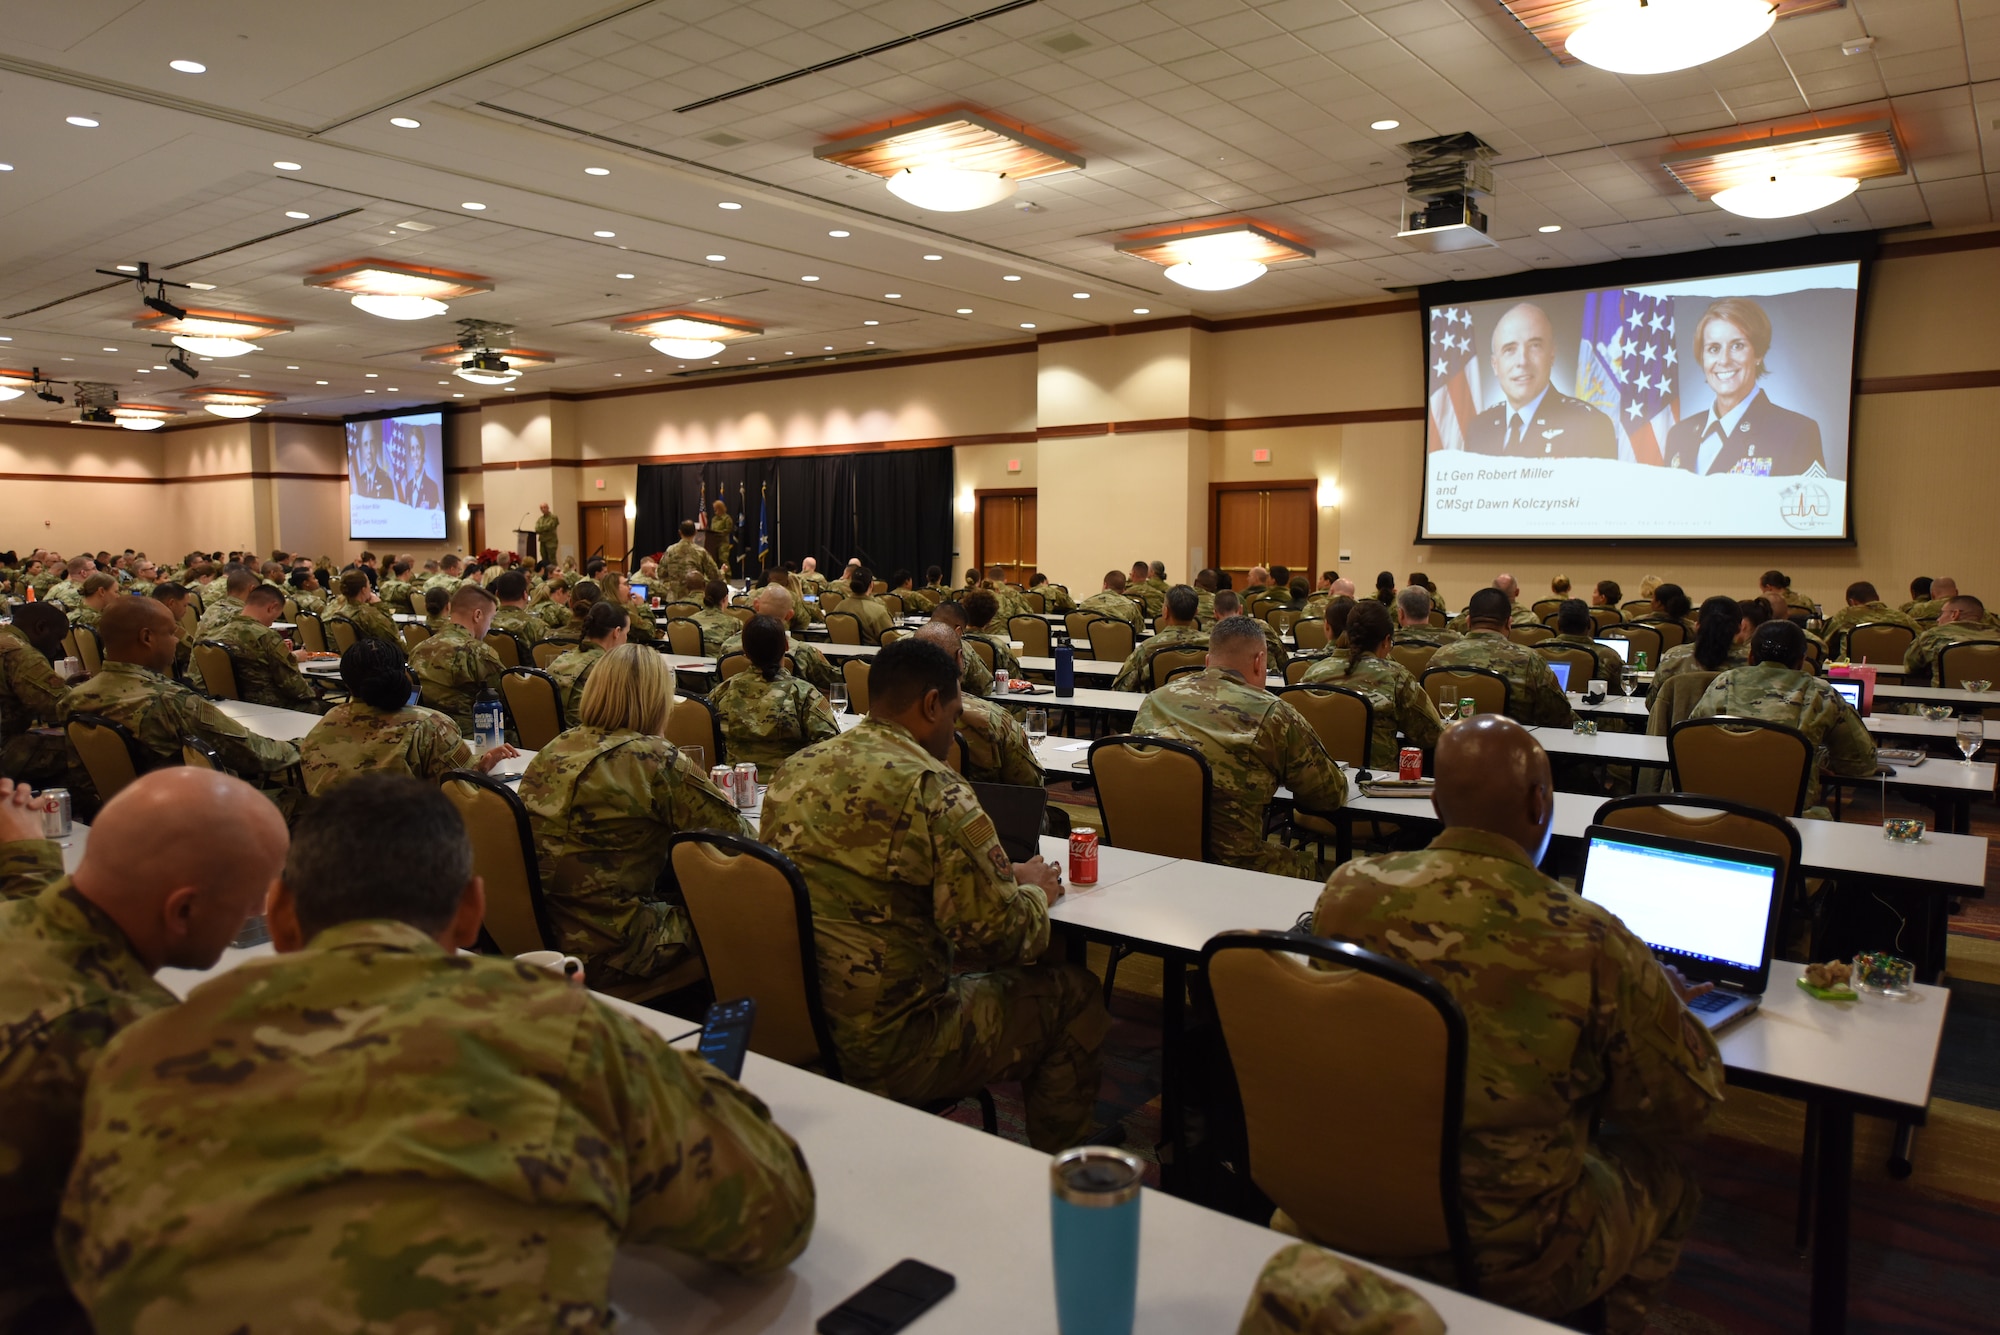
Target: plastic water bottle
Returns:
[[489, 722], [1065, 671]]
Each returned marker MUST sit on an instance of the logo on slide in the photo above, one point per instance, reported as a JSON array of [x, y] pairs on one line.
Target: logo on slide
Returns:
[[1805, 506]]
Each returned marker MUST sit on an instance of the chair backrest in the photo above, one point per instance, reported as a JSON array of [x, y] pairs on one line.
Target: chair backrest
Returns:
[[1077, 626], [1582, 664], [1296, 669], [1604, 617], [831, 597], [981, 649], [1751, 761], [684, 637], [547, 652], [843, 628], [894, 602], [1363, 1051], [217, 668], [1036, 602], [1111, 641], [341, 631], [1153, 795], [854, 671], [1529, 634], [534, 703], [1169, 661], [1309, 633], [507, 647], [1282, 619], [693, 723], [1672, 633], [1709, 820], [415, 633], [1546, 607], [503, 855], [89, 648], [895, 633], [1876, 642], [1643, 640], [111, 755], [1415, 658], [678, 611], [189, 620], [1489, 691], [744, 615], [1672, 703], [752, 922], [1438, 618], [730, 665], [1636, 607], [954, 755], [196, 757], [312, 634], [1343, 718], [1033, 633], [1969, 660]]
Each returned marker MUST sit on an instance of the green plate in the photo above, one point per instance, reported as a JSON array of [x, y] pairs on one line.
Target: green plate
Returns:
[[1828, 993]]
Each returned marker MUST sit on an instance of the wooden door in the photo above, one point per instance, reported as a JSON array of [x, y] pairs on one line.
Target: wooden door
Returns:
[[1005, 533], [603, 524], [475, 529], [1263, 524]]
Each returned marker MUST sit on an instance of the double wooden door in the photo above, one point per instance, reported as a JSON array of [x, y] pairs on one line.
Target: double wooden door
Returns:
[[1263, 524], [603, 525], [1006, 535]]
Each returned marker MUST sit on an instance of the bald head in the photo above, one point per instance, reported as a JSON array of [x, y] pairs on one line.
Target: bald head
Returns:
[[1341, 588], [138, 630], [1492, 775], [1944, 587], [773, 601], [179, 860], [1507, 585], [943, 634], [1524, 349]]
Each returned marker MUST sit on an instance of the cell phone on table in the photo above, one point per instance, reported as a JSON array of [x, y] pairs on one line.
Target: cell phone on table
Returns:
[[725, 1034], [901, 1294]]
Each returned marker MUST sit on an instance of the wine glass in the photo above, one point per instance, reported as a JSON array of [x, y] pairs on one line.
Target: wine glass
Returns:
[[1625, 684], [1037, 724], [1971, 736], [836, 695]]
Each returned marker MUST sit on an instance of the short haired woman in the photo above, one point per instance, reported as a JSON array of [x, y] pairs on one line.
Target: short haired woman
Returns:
[[767, 714], [381, 730]]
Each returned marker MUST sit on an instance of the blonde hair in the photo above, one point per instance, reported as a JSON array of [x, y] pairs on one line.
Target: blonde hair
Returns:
[[631, 688], [1559, 586], [1648, 584]]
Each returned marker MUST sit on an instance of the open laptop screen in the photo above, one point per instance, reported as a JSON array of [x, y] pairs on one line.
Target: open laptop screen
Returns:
[[1849, 691], [1623, 648], [1562, 674], [1708, 910]]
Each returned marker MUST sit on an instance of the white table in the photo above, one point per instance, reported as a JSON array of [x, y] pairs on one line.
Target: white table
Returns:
[[1634, 709], [1937, 695], [280, 725]]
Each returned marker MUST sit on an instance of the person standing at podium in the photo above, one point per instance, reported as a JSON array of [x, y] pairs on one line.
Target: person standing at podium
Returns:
[[722, 526], [545, 535]]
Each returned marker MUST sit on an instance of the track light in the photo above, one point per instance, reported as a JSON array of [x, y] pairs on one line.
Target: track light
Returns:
[[157, 299], [179, 361], [45, 388], [159, 302]]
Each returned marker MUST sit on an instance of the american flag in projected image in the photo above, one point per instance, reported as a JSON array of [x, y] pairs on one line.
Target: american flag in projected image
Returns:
[[1454, 376], [1627, 368]]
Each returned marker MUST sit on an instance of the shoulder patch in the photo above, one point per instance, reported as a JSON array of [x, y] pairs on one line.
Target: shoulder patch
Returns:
[[980, 829]]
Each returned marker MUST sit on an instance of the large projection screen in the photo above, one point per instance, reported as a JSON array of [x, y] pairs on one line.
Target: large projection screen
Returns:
[[1704, 409], [395, 477]]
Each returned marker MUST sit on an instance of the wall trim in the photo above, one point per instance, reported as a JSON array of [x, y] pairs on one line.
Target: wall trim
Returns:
[[784, 452], [1938, 245], [1231, 324], [1939, 380], [172, 481], [1224, 424]]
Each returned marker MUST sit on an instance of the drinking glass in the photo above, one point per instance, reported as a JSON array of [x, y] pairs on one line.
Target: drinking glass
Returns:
[[698, 756], [1625, 684], [1971, 736], [836, 695], [1037, 724]]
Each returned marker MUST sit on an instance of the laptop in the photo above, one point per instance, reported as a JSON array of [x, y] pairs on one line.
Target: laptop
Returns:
[[640, 589], [1018, 811], [1849, 691], [1623, 648], [1710, 911], [1562, 674]]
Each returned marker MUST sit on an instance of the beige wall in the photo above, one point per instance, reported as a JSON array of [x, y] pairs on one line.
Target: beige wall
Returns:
[[1923, 462]]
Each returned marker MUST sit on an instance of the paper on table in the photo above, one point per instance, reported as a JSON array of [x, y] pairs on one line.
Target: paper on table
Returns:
[[1074, 746]]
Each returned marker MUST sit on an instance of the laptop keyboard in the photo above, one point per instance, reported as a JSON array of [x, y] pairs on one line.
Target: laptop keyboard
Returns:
[[1711, 1001]]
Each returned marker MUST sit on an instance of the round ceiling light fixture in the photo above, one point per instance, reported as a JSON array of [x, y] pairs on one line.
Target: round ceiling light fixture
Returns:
[[1783, 195], [406, 123], [208, 346], [188, 66], [691, 349], [233, 409], [949, 189], [1215, 275], [398, 307], [1656, 36]]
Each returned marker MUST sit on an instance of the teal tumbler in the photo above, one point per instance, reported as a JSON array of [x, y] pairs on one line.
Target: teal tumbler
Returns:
[[1094, 1224]]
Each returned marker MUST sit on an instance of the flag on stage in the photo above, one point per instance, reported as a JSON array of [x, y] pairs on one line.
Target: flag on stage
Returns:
[[764, 525], [1454, 377], [1626, 368]]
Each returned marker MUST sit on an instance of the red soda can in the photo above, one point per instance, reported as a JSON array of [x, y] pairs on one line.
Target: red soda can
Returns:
[[1082, 855], [1410, 763]]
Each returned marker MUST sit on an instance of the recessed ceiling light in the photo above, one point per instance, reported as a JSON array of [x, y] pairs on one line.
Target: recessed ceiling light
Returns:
[[871, 342], [838, 232], [622, 275], [597, 171], [391, 389], [749, 359], [9, 338], [1383, 124], [729, 204], [286, 166], [371, 376], [827, 348], [808, 278], [604, 234], [458, 396], [294, 213], [933, 257], [6, 166], [1027, 326], [871, 322], [1551, 227], [1010, 278], [319, 382], [715, 259], [1142, 310], [508, 388], [85, 121], [188, 66], [892, 296], [474, 207], [367, 391], [159, 366], [1081, 296], [111, 349], [128, 268], [965, 310], [242, 375], [202, 287], [405, 123]]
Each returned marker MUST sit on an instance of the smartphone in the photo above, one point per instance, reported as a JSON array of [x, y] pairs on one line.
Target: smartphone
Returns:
[[725, 1034], [901, 1294]]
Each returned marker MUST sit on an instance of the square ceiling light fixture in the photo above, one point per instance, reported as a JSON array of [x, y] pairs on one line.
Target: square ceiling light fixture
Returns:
[[214, 333], [13, 384], [1788, 174], [137, 416], [233, 402], [398, 291], [1651, 36], [1215, 257], [950, 162], [686, 334]]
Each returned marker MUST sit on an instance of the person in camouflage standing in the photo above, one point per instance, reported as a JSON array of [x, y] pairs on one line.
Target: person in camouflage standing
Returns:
[[546, 525], [686, 555], [1175, 629], [1962, 620], [723, 525], [521, 1130], [716, 625], [1585, 1074], [604, 628], [766, 714], [359, 605], [174, 865], [380, 730], [1255, 743], [31, 696], [603, 799], [808, 663], [454, 665], [1307, 1290], [1399, 703], [1775, 689], [1864, 608], [1534, 696], [267, 670], [929, 940], [995, 748]]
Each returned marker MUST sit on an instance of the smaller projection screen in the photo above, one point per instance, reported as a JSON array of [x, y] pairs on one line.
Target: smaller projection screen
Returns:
[[395, 477], [1700, 409]]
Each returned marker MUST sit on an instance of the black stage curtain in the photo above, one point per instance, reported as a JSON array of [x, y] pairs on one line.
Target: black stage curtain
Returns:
[[891, 509]]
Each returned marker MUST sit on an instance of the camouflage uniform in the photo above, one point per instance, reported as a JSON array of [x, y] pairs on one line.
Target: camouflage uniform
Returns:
[[810, 582], [1517, 616], [645, 626], [1681, 659], [1055, 598], [159, 712], [974, 677], [1777, 694], [85, 615], [874, 617], [395, 595], [524, 1131], [1306, 1290], [451, 669], [1923, 661], [69, 981], [357, 738], [1925, 610], [1571, 1022], [449, 583], [1610, 667], [602, 805], [518, 621], [553, 616], [1003, 650], [31, 695], [1137, 674], [1155, 599], [266, 672], [65, 595], [1534, 696], [571, 669], [717, 626], [995, 746], [1108, 604], [1842, 623], [436, 624], [1399, 702], [910, 886], [545, 536], [370, 621], [313, 601], [1255, 743], [808, 663], [684, 556], [766, 722], [216, 613]]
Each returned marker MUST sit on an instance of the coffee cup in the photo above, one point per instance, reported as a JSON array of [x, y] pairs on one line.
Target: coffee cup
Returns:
[[569, 966]]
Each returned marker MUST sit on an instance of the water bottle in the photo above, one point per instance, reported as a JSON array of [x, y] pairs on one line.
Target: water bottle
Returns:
[[1065, 671], [489, 722]]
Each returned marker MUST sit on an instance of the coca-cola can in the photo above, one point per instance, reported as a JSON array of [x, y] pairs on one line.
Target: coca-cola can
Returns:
[[1000, 682], [1410, 763], [55, 813], [1082, 855], [746, 785], [724, 778]]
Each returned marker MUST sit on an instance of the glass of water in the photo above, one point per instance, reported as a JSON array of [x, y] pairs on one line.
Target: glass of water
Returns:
[[1037, 724], [1971, 736], [836, 695]]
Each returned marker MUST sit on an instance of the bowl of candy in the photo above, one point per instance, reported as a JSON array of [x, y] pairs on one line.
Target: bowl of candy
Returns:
[[1884, 975], [1935, 713]]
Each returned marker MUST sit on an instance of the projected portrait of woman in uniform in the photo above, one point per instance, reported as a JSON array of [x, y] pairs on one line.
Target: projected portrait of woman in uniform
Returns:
[[1742, 431]]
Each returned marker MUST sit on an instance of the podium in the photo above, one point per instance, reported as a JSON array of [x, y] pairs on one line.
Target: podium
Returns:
[[524, 543]]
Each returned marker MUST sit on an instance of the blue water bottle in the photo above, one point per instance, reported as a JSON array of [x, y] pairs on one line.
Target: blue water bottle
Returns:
[[489, 722], [1094, 1225], [1065, 671]]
